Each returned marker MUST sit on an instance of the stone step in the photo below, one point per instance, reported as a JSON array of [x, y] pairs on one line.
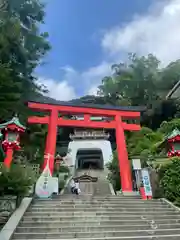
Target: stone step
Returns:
[[100, 212], [95, 222], [92, 206], [158, 237], [135, 204], [106, 209], [109, 197], [71, 196], [105, 234], [58, 228], [106, 196], [98, 217], [77, 198], [143, 206]]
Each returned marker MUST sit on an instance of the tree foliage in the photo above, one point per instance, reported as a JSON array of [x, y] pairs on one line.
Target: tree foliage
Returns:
[[22, 46], [145, 139], [141, 81], [114, 175], [168, 127], [170, 180], [16, 181]]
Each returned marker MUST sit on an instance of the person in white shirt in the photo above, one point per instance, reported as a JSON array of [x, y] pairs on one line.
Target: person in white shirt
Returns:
[[77, 188], [72, 185]]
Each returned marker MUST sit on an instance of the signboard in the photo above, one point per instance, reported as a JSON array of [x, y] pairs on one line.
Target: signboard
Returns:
[[146, 182], [136, 164], [45, 184]]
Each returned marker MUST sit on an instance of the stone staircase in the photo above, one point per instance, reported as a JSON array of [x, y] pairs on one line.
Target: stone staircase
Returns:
[[101, 187], [89, 217]]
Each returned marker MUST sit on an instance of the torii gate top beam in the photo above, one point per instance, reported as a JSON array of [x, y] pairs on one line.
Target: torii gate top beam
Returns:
[[87, 111], [97, 110]]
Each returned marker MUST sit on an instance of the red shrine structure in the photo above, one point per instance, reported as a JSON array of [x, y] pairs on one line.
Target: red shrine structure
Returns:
[[11, 142], [118, 115], [172, 142]]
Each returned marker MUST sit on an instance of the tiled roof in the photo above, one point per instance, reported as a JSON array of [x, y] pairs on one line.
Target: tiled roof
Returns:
[[14, 120], [173, 134], [70, 103]]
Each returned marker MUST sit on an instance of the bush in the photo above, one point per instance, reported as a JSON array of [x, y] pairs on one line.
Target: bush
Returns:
[[114, 176], [16, 181], [63, 169], [61, 185], [145, 139], [169, 176], [168, 127]]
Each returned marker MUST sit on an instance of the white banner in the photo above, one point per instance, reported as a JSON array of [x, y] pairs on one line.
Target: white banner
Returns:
[[56, 185], [146, 182], [45, 183], [136, 164]]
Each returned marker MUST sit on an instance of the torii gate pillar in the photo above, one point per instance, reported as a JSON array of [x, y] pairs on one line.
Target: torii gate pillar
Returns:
[[124, 163], [51, 140]]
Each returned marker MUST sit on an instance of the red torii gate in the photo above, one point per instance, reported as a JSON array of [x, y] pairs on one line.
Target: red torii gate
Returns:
[[118, 113]]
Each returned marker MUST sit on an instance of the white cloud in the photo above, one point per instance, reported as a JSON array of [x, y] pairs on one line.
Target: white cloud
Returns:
[[58, 90], [157, 32], [93, 76], [74, 82], [93, 90]]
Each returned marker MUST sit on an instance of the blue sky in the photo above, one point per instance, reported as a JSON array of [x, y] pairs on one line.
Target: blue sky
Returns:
[[87, 36]]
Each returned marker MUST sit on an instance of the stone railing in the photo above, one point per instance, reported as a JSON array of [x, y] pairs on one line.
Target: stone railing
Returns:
[[8, 204], [7, 207]]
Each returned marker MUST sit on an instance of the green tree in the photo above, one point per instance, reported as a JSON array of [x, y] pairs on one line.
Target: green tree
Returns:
[[141, 81], [134, 82], [143, 142], [170, 180], [114, 176], [168, 127], [21, 48]]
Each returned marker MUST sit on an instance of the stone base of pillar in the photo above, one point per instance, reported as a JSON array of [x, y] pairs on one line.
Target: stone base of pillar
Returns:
[[133, 193]]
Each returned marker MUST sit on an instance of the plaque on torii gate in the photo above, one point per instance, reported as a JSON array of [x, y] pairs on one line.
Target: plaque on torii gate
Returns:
[[116, 114]]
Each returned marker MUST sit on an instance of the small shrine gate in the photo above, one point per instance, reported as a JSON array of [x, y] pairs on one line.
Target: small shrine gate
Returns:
[[117, 114]]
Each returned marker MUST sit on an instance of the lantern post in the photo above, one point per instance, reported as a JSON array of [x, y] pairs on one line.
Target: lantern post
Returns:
[[11, 138]]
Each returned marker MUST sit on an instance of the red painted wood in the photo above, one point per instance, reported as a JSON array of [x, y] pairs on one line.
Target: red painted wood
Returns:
[[83, 110], [38, 120], [124, 163], [84, 123], [51, 140], [174, 139], [142, 193], [131, 127], [9, 156]]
